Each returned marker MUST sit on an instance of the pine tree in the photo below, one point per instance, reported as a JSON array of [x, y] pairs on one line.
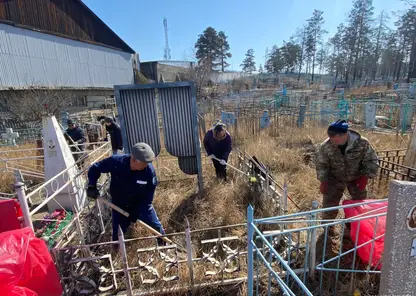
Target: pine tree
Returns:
[[314, 36], [261, 71], [275, 63], [212, 49], [207, 48], [223, 50], [248, 65]]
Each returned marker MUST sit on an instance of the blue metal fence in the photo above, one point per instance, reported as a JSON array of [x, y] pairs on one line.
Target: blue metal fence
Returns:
[[288, 257]]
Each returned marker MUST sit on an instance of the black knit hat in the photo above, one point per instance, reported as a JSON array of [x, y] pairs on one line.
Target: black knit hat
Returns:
[[338, 127]]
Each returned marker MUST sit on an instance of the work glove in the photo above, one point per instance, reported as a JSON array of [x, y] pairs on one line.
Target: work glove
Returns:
[[324, 187], [212, 156], [92, 192], [223, 162], [362, 182]]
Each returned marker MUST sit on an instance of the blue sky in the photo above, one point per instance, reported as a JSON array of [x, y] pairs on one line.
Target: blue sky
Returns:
[[248, 24]]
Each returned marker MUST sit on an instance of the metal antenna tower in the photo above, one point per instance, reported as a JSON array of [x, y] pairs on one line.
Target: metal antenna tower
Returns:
[[167, 49]]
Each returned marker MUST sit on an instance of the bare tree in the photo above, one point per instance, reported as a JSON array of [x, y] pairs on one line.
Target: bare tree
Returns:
[[33, 104]]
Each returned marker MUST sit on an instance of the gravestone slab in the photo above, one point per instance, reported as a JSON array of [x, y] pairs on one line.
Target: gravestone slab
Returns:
[[398, 274], [228, 118], [58, 157], [370, 115]]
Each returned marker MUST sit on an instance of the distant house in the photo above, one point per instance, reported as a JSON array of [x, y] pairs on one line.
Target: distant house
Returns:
[[61, 44], [168, 70]]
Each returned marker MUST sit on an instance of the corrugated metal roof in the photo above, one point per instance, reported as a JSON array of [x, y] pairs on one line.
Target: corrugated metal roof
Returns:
[[33, 59], [65, 18]]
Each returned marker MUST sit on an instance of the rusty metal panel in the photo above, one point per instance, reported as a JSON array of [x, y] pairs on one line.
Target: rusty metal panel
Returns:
[[176, 109], [138, 118]]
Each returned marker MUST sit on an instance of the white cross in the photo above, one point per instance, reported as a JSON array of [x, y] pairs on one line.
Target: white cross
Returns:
[[10, 136]]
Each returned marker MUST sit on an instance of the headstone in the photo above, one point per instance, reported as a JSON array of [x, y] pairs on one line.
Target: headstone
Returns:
[[406, 113], [10, 136], [412, 90], [58, 157], [398, 276], [370, 115], [228, 118], [264, 120]]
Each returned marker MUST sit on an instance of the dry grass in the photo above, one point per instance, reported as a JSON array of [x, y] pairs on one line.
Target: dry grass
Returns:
[[6, 178]]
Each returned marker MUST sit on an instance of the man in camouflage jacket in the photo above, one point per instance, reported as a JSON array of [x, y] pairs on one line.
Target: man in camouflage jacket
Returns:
[[344, 160]]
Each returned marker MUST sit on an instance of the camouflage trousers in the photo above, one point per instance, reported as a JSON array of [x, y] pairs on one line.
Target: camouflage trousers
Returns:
[[334, 194]]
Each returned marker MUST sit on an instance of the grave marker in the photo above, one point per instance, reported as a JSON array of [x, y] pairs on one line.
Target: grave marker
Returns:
[[10, 136], [58, 157], [370, 115], [398, 276]]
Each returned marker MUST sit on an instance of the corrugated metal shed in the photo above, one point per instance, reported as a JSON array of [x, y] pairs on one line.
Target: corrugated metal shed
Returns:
[[65, 18], [29, 58]]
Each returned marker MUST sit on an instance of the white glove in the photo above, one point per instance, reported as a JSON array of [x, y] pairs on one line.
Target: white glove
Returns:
[[211, 156], [223, 162]]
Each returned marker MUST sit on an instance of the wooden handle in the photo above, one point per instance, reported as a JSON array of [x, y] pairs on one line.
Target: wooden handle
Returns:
[[124, 213]]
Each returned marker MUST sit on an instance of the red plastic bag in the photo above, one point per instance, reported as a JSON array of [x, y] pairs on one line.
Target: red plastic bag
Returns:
[[366, 231], [26, 267]]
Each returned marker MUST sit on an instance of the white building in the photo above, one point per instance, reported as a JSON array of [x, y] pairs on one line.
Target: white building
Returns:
[[61, 45]]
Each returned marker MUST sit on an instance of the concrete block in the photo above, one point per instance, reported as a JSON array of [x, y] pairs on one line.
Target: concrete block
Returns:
[[398, 275]]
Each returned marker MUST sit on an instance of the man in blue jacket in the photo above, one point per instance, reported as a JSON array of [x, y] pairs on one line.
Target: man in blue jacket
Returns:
[[78, 137], [132, 187], [217, 143]]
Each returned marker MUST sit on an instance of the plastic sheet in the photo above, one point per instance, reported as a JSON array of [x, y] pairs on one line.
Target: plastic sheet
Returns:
[[372, 252], [26, 266]]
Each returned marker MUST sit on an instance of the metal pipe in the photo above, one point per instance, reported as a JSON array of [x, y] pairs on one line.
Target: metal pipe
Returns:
[[189, 253], [250, 265], [124, 261], [19, 187], [313, 241], [260, 221]]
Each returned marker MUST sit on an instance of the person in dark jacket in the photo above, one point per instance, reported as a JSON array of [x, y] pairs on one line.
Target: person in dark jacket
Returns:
[[132, 187], [218, 144], [77, 136], [115, 134]]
